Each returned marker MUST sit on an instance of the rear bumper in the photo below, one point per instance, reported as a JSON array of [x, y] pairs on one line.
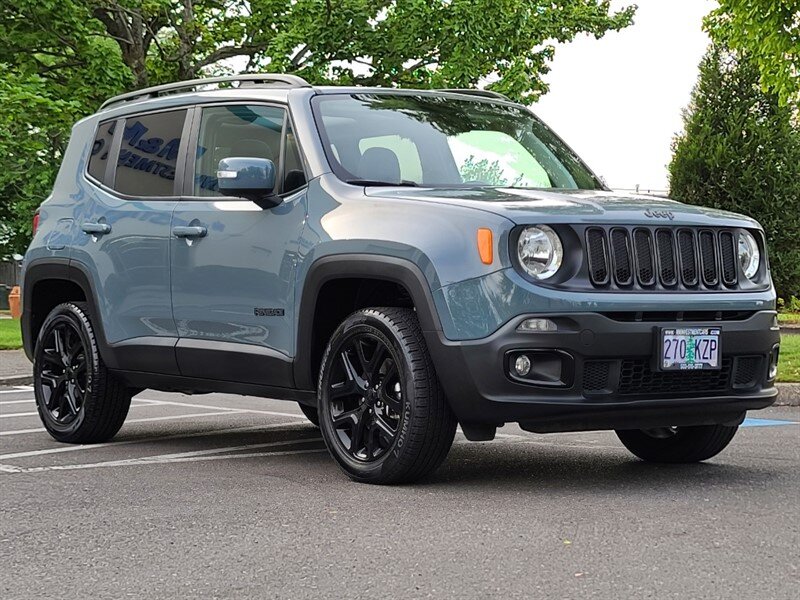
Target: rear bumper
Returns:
[[607, 379]]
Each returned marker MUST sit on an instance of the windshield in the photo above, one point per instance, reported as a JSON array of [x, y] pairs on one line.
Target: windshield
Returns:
[[440, 141]]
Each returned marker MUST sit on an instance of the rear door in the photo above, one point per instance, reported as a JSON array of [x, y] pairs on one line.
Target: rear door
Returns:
[[233, 282], [124, 241]]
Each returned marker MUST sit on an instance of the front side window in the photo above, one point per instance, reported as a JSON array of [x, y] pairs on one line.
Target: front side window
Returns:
[[443, 141], [294, 173], [236, 130], [149, 154]]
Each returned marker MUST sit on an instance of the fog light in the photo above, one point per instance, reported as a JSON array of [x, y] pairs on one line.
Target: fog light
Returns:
[[531, 325], [773, 363], [522, 366]]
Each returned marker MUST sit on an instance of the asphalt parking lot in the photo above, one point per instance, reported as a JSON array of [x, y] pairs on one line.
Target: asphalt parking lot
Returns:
[[222, 496]]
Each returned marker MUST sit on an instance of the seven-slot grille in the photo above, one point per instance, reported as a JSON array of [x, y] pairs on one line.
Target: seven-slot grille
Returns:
[[659, 257]]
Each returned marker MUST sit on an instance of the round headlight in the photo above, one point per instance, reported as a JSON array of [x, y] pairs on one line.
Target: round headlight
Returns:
[[540, 252], [749, 256]]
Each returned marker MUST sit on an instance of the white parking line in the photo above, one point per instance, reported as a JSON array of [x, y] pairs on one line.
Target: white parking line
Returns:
[[21, 431], [17, 389], [169, 418], [139, 404], [177, 436], [199, 455], [249, 410], [134, 402], [27, 400]]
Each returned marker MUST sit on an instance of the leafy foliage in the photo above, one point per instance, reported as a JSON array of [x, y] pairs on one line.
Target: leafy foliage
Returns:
[[60, 58], [741, 152], [768, 31]]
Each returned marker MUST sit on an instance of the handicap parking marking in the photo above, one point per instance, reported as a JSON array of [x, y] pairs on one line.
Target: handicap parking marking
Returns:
[[752, 422]]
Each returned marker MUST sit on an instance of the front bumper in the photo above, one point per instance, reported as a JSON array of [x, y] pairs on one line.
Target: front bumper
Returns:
[[608, 381]]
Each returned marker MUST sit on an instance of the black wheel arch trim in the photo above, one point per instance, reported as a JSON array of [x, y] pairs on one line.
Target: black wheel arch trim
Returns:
[[69, 271], [352, 266], [51, 269]]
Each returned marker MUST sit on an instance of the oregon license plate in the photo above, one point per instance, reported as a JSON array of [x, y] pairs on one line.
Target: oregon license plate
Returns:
[[690, 348]]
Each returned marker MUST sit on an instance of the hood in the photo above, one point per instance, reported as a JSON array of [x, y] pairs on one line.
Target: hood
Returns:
[[525, 207]]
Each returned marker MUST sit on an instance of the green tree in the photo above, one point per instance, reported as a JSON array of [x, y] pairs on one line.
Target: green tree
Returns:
[[740, 151], [768, 31], [60, 58]]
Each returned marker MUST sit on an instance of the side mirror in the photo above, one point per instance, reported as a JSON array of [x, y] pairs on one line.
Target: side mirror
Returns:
[[250, 178]]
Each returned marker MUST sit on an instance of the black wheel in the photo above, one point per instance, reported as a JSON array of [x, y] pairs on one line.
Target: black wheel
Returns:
[[382, 413], [677, 444], [310, 412], [78, 400]]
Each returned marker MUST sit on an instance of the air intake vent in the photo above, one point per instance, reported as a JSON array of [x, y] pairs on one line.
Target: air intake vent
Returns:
[[645, 260], [661, 257], [708, 258], [666, 258], [637, 378], [597, 255], [747, 371], [728, 256], [688, 254], [621, 256]]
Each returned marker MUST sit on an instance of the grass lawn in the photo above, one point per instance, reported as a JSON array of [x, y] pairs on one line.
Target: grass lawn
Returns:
[[10, 336], [789, 365], [789, 317]]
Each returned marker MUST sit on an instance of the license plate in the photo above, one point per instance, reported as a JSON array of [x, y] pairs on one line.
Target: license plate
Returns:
[[689, 349]]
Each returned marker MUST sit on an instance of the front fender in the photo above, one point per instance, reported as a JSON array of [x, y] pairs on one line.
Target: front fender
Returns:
[[368, 266]]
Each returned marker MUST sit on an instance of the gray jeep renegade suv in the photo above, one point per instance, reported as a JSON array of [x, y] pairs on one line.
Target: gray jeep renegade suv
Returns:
[[395, 261]]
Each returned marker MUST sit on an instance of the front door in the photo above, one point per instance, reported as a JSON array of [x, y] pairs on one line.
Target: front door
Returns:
[[233, 263]]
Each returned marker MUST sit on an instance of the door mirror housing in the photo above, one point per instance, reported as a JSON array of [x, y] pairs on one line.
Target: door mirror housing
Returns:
[[250, 178]]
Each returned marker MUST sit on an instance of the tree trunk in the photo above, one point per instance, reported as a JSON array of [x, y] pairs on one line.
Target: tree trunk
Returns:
[[128, 30]]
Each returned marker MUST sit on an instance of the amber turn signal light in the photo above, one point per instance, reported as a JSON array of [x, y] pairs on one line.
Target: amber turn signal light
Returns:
[[485, 245]]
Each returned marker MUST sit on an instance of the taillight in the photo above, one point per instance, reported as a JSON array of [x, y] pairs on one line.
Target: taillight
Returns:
[[35, 223]]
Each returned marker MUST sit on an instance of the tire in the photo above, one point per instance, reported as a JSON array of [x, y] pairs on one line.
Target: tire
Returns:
[[382, 413], [310, 412], [79, 401], [677, 444]]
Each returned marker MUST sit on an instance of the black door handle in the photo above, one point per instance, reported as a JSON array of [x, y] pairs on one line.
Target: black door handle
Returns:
[[96, 228], [197, 231]]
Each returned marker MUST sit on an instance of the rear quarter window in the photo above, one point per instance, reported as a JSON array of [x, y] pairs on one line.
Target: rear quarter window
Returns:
[[98, 159]]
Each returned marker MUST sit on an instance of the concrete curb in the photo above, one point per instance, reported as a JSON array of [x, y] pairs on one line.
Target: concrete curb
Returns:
[[788, 394]]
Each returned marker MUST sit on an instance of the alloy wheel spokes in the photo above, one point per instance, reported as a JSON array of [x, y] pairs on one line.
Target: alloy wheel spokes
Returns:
[[63, 373], [366, 402]]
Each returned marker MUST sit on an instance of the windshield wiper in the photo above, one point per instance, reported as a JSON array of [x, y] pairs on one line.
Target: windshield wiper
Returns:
[[377, 182]]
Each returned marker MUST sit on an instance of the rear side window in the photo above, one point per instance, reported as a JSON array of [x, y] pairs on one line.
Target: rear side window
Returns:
[[149, 153], [100, 149]]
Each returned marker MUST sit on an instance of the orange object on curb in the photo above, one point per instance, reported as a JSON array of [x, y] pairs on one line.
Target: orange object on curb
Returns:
[[14, 303]]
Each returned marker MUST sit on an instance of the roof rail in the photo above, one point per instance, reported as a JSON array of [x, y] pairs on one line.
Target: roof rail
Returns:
[[244, 80], [474, 92]]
